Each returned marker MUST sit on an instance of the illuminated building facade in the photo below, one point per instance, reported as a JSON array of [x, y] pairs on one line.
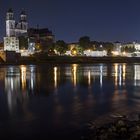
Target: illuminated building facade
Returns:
[[11, 44], [14, 30], [41, 38]]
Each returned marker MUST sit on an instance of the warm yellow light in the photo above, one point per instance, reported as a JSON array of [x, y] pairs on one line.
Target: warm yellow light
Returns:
[[124, 53], [74, 52], [74, 71], [21, 51], [23, 76], [115, 52], [89, 78]]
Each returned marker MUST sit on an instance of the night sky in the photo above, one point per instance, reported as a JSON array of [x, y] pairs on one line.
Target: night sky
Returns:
[[102, 20]]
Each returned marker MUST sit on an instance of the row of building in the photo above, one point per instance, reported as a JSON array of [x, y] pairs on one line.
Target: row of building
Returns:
[[25, 41], [126, 49], [100, 49]]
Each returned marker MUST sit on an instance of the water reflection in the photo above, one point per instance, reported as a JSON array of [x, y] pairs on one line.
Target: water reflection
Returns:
[[33, 78], [12, 86], [101, 75], [119, 74], [24, 79], [124, 73], [55, 77], [89, 78], [100, 89], [116, 74], [23, 76], [19, 80], [137, 75], [78, 74], [74, 73]]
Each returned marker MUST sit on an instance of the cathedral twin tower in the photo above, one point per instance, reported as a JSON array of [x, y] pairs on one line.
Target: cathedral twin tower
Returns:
[[13, 28]]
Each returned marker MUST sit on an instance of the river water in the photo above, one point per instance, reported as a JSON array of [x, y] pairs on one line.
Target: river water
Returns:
[[56, 101]]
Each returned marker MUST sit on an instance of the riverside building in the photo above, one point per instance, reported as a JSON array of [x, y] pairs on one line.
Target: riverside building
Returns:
[[14, 30]]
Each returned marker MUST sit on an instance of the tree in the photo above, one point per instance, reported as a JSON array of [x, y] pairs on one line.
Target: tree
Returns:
[[38, 47], [61, 46], [109, 47], [84, 42], [50, 49]]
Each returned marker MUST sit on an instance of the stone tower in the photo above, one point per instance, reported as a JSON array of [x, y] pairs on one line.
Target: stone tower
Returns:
[[23, 21], [10, 23]]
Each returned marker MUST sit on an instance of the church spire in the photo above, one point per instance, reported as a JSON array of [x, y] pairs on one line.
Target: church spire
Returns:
[[23, 16], [10, 14]]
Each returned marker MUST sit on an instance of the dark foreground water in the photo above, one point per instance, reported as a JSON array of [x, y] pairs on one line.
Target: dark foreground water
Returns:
[[56, 101]]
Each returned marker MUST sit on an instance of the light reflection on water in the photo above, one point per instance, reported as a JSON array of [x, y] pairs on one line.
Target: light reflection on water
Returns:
[[84, 92], [55, 77]]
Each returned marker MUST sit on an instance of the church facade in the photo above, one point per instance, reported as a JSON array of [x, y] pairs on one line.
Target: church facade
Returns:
[[14, 30]]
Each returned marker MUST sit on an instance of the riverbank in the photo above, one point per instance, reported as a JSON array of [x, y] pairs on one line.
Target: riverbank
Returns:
[[122, 127], [64, 59], [71, 60]]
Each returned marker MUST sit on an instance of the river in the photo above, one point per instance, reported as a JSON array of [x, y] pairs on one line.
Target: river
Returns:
[[56, 101]]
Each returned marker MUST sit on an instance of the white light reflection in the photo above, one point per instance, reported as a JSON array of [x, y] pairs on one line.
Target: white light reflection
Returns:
[[120, 75], [55, 77], [124, 73], [9, 99], [101, 75], [116, 74], [136, 75], [32, 78], [12, 86]]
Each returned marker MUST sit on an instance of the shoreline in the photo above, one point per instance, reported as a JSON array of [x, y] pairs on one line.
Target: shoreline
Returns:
[[125, 126], [71, 60]]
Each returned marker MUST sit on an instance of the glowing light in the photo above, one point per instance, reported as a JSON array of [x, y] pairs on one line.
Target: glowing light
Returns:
[[74, 70], [23, 76], [136, 75], [101, 76], [124, 73], [74, 52], [115, 53], [89, 78], [120, 75], [32, 78], [55, 77], [116, 74], [124, 53]]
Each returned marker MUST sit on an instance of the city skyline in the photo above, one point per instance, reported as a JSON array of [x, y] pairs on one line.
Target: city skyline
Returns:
[[69, 20]]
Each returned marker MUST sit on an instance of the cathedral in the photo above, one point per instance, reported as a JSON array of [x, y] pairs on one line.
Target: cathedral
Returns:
[[19, 38], [14, 30]]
